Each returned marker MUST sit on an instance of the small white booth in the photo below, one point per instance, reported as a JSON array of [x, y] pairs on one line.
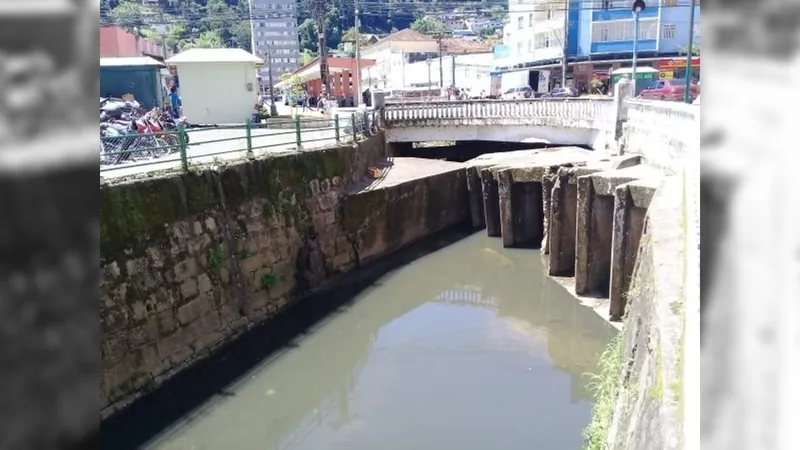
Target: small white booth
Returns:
[[217, 85]]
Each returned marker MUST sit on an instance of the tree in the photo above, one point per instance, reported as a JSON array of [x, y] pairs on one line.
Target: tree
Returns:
[[429, 26], [129, 15], [209, 39], [498, 13], [306, 56], [308, 35], [294, 87]]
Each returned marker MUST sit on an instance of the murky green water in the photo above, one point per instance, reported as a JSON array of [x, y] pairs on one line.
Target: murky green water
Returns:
[[470, 347]]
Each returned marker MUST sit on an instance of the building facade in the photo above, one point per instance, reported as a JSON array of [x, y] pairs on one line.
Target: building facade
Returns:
[[274, 37], [599, 38]]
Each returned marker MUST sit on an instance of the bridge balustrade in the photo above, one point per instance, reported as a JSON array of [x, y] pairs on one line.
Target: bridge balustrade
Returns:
[[586, 109]]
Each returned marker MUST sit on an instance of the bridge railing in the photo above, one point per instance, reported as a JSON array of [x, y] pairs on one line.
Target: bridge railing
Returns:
[[667, 134], [587, 109], [673, 118]]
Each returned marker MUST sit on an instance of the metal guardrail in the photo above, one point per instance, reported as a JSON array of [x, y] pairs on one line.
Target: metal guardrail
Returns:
[[146, 149]]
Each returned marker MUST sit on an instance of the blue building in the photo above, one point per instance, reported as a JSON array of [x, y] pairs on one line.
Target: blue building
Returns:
[[600, 36]]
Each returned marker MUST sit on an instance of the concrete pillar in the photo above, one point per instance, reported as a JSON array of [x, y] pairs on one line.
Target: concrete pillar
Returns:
[[491, 203], [627, 233], [623, 90], [562, 222], [595, 217], [475, 189], [548, 182], [520, 207]]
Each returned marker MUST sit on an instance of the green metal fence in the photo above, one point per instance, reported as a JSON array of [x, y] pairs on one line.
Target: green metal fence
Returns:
[[184, 146]]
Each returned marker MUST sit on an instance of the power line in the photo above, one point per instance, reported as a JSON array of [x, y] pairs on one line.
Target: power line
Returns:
[[370, 8]]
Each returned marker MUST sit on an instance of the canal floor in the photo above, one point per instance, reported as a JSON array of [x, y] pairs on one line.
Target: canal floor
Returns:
[[470, 346]]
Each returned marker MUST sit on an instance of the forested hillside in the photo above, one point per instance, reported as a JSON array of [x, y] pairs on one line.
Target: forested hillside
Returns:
[[226, 23]]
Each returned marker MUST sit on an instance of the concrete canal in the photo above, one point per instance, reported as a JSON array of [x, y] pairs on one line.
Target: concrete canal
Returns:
[[455, 342]]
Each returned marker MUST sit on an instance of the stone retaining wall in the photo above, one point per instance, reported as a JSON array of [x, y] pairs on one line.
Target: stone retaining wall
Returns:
[[193, 260], [648, 377]]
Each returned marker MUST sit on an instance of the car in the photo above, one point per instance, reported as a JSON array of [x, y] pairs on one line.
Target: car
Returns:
[[669, 90], [517, 93], [562, 93]]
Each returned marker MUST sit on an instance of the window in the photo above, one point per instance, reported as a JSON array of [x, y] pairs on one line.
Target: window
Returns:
[[612, 4], [519, 48], [668, 32], [530, 45], [622, 30], [530, 19], [519, 22]]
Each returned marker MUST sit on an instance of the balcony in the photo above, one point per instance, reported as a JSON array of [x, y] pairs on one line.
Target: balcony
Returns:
[[644, 45], [604, 15]]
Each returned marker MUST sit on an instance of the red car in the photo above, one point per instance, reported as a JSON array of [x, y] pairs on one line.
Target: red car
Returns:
[[671, 90]]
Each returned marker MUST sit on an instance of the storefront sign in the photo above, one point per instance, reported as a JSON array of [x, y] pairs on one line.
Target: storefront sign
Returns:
[[671, 64]]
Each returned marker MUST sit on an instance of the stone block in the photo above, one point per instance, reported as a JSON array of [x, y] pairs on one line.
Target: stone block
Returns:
[[204, 283], [166, 321], [189, 289], [113, 347], [191, 311], [186, 269]]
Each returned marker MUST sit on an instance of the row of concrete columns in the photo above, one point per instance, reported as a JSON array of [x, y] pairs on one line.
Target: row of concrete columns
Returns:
[[586, 213]]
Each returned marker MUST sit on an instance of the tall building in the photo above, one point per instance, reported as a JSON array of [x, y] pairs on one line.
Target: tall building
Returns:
[[274, 30]]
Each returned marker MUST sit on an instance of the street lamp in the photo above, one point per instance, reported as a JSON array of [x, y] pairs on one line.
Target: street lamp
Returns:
[[687, 98], [273, 109], [637, 7]]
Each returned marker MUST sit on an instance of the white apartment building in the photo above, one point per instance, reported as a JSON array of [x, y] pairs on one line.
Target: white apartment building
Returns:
[[535, 31], [274, 31], [471, 72], [392, 54]]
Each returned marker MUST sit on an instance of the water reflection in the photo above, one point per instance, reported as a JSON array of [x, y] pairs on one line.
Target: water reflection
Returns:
[[469, 347]]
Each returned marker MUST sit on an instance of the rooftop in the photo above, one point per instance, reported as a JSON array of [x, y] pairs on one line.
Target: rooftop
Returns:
[[464, 47], [130, 62], [211, 55]]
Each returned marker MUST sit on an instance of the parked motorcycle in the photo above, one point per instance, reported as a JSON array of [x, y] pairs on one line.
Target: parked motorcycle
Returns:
[[134, 135]]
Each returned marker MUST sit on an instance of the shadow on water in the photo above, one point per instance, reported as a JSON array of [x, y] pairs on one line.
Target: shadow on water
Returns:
[[183, 394]]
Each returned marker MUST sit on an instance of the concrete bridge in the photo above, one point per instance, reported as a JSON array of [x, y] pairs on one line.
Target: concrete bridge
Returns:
[[661, 132]]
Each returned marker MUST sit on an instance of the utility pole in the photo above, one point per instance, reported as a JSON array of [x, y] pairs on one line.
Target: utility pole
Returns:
[[273, 109], [441, 70], [637, 7], [319, 12], [687, 97], [357, 81], [564, 44], [453, 68], [429, 73]]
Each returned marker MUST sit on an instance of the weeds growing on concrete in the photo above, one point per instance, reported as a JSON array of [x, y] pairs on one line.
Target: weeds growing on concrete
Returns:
[[604, 386]]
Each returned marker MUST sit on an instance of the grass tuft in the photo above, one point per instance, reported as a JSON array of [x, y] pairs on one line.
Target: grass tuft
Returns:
[[604, 385]]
